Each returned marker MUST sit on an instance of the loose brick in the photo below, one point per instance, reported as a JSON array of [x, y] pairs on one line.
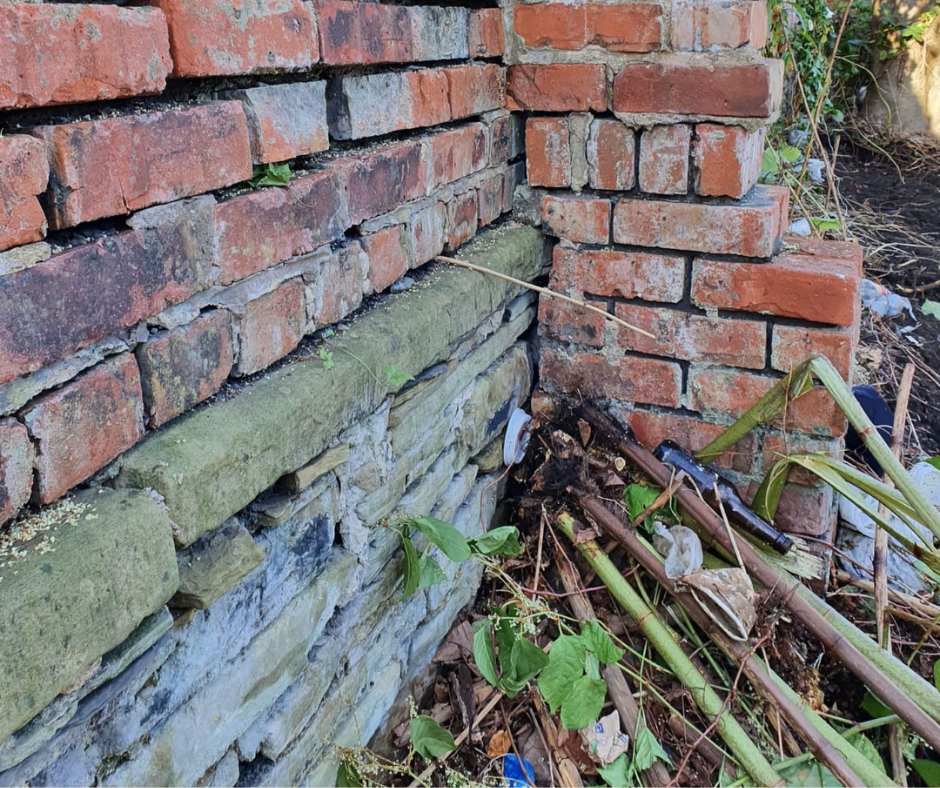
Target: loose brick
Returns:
[[381, 180], [61, 54], [490, 199], [24, 173], [690, 86], [628, 379], [475, 88], [558, 87], [266, 227], [633, 27], [609, 272], [707, 26], [791, 285], [94, 291], [113, 166], [271, 327], [750, 228], [548, 151], [183, 367], [455, 154], [16, 468], [570, 323], [727, 159], [651, 428], [336, 289], [694, 337], [664, 159], [486, 32], [462, 218], [611, 155], [579, 219], [285, 121], [225, 37], [84, 425], [426, 229], [388, 256]]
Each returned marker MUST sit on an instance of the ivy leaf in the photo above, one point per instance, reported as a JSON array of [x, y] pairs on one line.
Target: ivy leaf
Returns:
[[596, 639], [483, 654], [584, 703], [647, 749], [429, 739], [617, 773], [497, 541], [412, 566], [451, 542], [565, 666], [929, 771]]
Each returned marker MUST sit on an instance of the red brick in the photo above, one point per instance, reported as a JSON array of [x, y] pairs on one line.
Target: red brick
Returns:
[[570, 323], [611, 155], [62, 54], [380, 180], [475, 88], [426, 232], [226, 37], [628, 379], [651, 428], [629, 27], [461, 219], [558, 87], [727, 159], [486, 37], [94, 291], [791, 285], [455, 154], [693, 86], [24, 173], [704, 25], [555, 25], [271, 327], [750, 228], [183, 367], [16, 468], [850, 252], [692, 337], [337, 288], [664, 159], [729, 393], [266, 227], [388, 256], [579, 219], [113, 166], [285, 121], [805, 511], [609, 272], [490, 199], [548, 151], [792, 345], [84, 425]]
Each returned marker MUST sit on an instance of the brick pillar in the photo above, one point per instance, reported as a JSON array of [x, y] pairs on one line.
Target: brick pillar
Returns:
[[645, 130]]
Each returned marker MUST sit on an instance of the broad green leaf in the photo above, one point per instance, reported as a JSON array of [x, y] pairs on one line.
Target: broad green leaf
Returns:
[[929, 771], [874, 707], [767, 498], [412, 567], [596, 640], [429, 573], [867, 749], [790, 154], [617, 773], [931, 308], [639, 497], [565, 666], [527, 659], [810, 774], [770, 163], [506, 637], [347, 776], [429, 739], [451, 542], [483, 654], [497, 541], [584, 703], [592, 666], [272, 175], [647, 749]]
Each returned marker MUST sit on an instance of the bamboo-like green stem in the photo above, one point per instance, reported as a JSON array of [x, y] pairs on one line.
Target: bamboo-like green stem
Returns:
[[747, 753]]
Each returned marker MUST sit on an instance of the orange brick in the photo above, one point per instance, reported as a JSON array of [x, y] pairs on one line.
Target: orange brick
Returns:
[[727, 159], [627, 27], [555, 25], [558, 87], [610, 272], [24, 173], [388, 256], [664, 159], [486, 32], [271, 327], [548, 152], [651, 428], [611, 155], [578, 219], [792, 345]]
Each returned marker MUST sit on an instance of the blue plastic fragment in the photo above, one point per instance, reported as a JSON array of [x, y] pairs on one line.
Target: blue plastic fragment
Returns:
[[513, 773]]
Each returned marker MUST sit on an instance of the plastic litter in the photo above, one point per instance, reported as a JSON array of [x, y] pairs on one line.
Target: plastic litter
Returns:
[[516, 440], [816, 170], [801, 227], [682, 548], [518, 774], [604, 739], [883, 302], [881, 415]]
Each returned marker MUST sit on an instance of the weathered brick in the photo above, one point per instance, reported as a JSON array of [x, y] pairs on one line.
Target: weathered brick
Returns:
[[462, 218], [633, 27], [475, 88], [426, 229], [750, 228], [611, 155], [336, 289], [727, 159], [570, 323], [388, 256], [218, 37], [792, 345], [664, 159], [113, 166], [455, 154], [354, 33], [380, 180], [555, 25], [693, 337], [24, 173], [575, 218], [16, 468], [707, 26], [490, 199], [265, 227], [271, 327], [693, 86], [810, 287], [610, 272], [486, 32], [558, 87], [84, 425], [507, 137], [91, 292], [183, 367], [285, 121], [66, 53], [628, 379], [548, 152], [651, 428]]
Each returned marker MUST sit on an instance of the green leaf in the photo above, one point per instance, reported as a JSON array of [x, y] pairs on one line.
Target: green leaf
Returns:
[[931, 308], [584, 703], [929, 771], [347, 776], [935, 461], [497, 541], [565, 666], [429, 739], [327, 358], [412, 567], [874, 707], [647, 749], [451, 542], [867, 749], [790, 154], [506, 637], [639, 497], [825, 224], [617, 773], [483, 654], [770, 164], [596, 640], [527, 659], [395, 377], [429, 572], [272, 175], [810, 774]]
